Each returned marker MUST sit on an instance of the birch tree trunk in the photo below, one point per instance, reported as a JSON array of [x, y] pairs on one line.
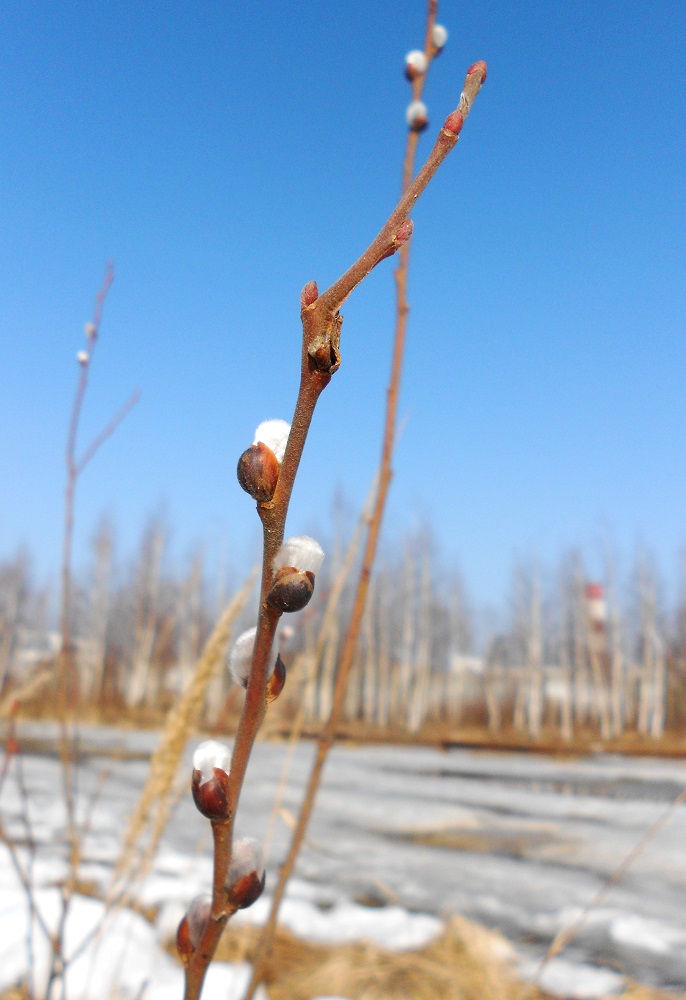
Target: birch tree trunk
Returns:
[[92, 655], [408, 639], [369, 667], [535, 665], [657, 720], [146, 617], [422, 666]]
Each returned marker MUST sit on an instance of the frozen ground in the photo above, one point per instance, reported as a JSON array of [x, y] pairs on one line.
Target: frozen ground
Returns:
[[521, 843]]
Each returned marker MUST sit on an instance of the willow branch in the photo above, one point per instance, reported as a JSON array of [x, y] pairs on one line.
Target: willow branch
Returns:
[[336, 294], [390, 237], [320, 359]]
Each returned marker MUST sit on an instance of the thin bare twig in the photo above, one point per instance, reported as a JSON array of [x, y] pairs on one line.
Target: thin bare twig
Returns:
[[411, 190], [68, 687], [566, 935], [107, 431], [320, 359]]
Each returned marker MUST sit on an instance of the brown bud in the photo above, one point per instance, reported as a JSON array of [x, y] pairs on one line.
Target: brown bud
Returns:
[[258, 472], [291, 590], [183, 941], [246, 890], [211, 797], [276, 681], [192, 927]]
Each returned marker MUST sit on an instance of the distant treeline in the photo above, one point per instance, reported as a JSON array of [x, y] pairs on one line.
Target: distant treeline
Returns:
[[573, 657]]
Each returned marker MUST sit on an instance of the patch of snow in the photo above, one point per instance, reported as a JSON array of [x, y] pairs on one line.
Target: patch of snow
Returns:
[[574, 981], [647, 935], [119, 962], [389, 927]]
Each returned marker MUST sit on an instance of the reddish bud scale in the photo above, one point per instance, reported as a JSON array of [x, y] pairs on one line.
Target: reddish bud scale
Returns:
[[478, 67], [183, 941], [402, 236], [12, 746], [246, 890], [454, 123], [291, 590], [277, 680], [258, 471], [309, 294], [404, 232], [211, 797]]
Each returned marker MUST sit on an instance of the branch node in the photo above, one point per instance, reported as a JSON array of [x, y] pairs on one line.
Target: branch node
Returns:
[[323, 349]]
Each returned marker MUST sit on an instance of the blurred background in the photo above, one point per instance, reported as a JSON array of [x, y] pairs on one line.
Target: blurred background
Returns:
[[223, 156]]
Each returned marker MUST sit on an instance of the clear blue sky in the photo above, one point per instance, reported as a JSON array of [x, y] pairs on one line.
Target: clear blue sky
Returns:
[[223, 154]]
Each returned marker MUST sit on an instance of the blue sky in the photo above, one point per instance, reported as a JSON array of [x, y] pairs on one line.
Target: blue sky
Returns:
[[223, 154]]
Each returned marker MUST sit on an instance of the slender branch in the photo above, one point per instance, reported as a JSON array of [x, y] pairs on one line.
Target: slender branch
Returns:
[[390, 237], [107, 431], [335, 295], [320, 358], [72, 463], [68, 688]]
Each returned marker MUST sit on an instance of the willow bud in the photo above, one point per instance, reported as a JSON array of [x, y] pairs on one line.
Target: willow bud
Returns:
[[192, 926], [416, 116], [240, 657], [246, 876], [210, 784], [415, 64], [439, 36], [259, 465], [258, 472], [295, 565]]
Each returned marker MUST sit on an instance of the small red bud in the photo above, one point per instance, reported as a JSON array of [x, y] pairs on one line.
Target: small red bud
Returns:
[[192, 927], [402, 235], [404, 232], [246, 874], [276, 681], [478, 67], [211, 797], [246, 890], [258, 471], [291, 590], [183, 941], [309, 294], [454, 123]]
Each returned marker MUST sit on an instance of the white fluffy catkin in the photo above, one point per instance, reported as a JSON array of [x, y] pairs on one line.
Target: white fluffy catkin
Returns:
[[209, 755], [274, 433], [240, 657], [302, 552]]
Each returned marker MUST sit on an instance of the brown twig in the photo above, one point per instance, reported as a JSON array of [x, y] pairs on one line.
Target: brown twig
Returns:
[[411, 191], [68, 695], [320, 358]]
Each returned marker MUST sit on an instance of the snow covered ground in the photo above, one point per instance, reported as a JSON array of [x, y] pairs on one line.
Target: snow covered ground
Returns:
[[521, 843]]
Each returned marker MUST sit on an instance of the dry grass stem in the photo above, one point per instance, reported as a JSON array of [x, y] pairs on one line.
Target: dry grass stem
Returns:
[[182, 719]]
